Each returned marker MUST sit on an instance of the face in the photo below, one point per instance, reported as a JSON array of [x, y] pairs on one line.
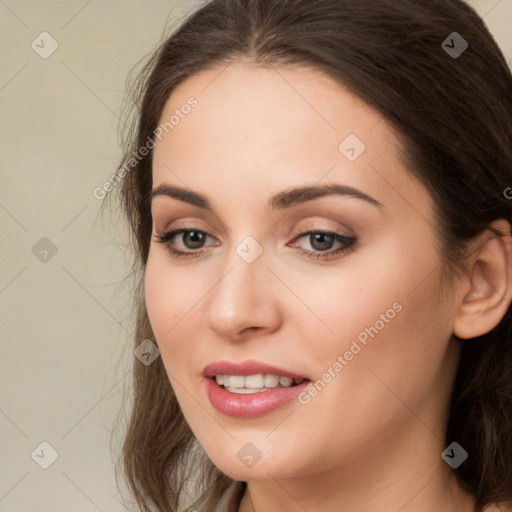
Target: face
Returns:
[[339, 287]]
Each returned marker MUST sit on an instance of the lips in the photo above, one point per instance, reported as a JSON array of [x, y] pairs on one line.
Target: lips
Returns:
[[248, 368], [251, 388]]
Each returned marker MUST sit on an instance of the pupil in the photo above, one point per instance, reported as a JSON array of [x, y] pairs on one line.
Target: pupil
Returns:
[[196, 238], [320, 237]]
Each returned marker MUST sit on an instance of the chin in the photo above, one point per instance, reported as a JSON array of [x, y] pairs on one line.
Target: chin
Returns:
[[248, 462], [260, 471]]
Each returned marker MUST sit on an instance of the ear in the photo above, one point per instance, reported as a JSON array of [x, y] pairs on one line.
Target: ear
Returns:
[[489, 284]]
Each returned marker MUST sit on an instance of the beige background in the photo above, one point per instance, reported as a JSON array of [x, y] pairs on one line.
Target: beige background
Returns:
[[64, 321]]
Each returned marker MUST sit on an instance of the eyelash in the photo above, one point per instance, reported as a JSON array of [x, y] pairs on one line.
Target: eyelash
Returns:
[[318, 255]]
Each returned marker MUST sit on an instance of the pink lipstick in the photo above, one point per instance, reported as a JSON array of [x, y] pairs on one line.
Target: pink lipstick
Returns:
[[251, 388]]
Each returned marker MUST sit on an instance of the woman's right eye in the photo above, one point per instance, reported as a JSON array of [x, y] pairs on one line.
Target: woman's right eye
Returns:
[[192, 239]]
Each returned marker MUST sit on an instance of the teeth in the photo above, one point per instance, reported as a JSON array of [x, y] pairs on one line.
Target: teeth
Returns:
[[234, 381], [285, 381], [246, 391], [271, 381], [254, 383]]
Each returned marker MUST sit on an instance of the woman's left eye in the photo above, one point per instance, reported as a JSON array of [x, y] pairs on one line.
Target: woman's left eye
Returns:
[[320, 241]]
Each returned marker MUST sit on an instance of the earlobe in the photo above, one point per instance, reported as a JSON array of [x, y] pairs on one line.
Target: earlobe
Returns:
[[490, 288]]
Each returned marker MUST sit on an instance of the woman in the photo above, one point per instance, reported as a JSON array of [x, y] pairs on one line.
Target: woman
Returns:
[[317, 197]]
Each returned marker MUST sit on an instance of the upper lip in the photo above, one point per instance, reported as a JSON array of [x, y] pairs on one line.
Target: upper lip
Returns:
[[247, 368]]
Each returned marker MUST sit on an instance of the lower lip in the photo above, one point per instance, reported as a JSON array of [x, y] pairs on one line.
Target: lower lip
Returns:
[[250, 405]]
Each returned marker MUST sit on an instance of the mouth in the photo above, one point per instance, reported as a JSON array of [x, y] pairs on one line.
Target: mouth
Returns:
[[258, 383], [251, 389]]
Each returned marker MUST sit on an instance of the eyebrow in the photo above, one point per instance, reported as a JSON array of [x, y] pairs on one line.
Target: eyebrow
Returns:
[[281, 201]]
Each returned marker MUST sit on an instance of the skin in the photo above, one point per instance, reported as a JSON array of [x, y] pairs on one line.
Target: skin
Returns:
[[372, 438]]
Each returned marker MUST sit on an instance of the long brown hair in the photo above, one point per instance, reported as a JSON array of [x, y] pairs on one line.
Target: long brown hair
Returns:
[[453, 113]]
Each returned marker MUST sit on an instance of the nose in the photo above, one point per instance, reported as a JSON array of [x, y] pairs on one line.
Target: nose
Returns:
[[244, 300]]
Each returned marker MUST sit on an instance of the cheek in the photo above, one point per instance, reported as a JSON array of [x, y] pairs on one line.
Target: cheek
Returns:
[[393, 346], [388, 336], [368, 300], [169, 303], [169, 295]]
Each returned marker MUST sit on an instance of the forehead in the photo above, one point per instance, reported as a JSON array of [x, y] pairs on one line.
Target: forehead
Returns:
[[278, 126], [249, 98]]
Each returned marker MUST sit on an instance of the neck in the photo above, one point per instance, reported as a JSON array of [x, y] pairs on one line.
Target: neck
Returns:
[[408, 476]]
